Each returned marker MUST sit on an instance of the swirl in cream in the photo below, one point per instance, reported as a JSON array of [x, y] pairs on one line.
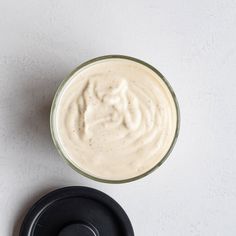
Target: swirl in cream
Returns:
[[115, 119]]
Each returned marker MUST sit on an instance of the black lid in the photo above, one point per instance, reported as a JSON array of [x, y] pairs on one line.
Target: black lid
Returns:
[[76, 211]]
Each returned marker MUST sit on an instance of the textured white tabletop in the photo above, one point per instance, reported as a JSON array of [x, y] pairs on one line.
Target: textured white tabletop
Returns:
[[193, 43]]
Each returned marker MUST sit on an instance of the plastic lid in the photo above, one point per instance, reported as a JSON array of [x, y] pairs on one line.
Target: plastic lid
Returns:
[[76, 211]]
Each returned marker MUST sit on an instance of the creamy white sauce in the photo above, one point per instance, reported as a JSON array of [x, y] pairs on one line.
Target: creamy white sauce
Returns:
[[115, 119]]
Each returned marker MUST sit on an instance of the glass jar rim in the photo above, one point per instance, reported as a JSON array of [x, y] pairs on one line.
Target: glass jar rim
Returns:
[[75, 167]]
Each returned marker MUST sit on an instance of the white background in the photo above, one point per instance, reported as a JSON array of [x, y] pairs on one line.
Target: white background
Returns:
[[193, 43]]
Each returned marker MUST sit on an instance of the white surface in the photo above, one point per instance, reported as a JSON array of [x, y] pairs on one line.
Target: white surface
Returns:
[[191, 42]]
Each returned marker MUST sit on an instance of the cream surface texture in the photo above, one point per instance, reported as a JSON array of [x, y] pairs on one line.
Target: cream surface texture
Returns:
[[114, 119]]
